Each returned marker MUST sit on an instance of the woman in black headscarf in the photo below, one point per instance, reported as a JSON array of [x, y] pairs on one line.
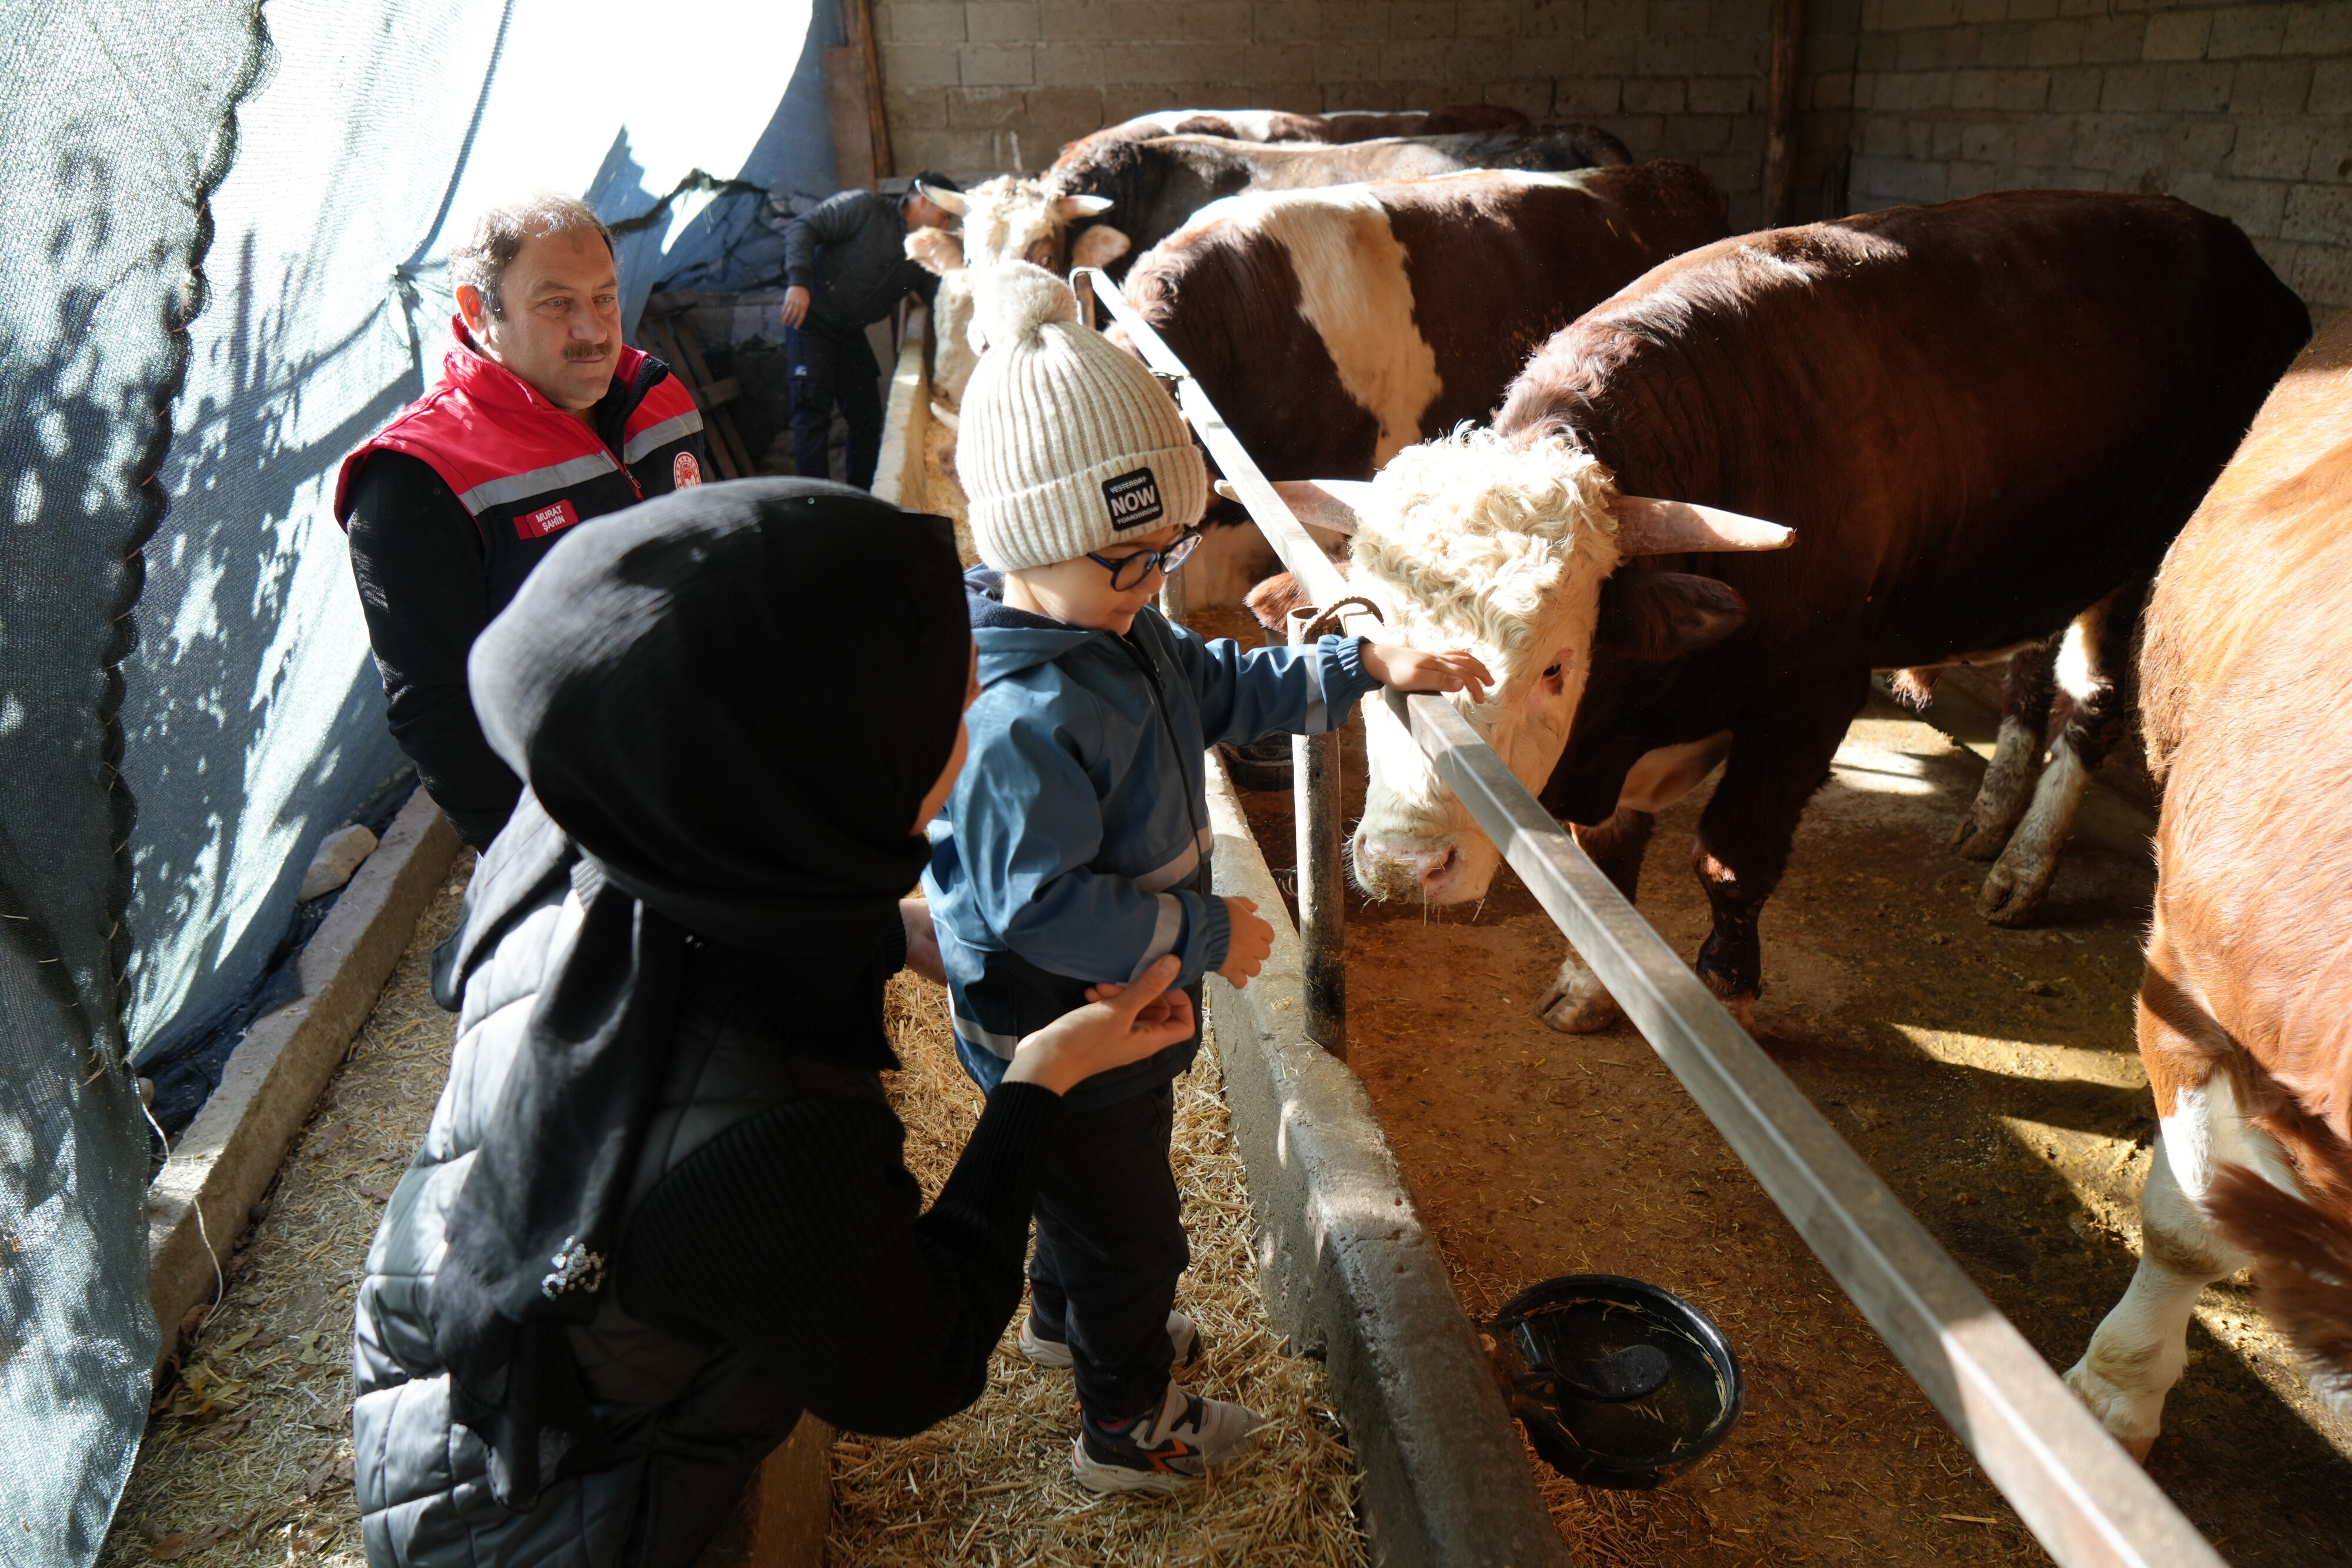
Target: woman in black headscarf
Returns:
[[661, 1208]]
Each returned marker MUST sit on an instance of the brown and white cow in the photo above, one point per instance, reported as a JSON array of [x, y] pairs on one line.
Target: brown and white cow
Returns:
[[1984, 418], [2245, 1009], [1281, 125], [1333, 328], [1057, 220]]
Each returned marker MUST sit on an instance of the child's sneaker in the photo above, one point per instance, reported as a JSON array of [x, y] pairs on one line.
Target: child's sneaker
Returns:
[[1161, 1451], [1181, 1337]]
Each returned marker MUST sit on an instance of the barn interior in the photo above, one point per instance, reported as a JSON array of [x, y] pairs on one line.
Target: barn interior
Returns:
[[214, 302]]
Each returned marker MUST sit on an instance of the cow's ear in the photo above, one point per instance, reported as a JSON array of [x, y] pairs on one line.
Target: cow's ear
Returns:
[[1098, 246], [1653, 616], [1273, 601], [1069, 207]]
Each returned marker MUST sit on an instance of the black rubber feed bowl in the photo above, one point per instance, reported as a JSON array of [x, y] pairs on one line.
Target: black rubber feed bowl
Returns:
[[1261, 765], [1619, 1383]]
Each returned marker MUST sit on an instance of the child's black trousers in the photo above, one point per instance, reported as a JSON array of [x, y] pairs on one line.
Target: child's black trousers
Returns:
[[1110, 1244]]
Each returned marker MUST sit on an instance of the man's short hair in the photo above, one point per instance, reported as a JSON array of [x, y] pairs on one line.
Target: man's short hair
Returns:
[[482, 258], [929, 179]]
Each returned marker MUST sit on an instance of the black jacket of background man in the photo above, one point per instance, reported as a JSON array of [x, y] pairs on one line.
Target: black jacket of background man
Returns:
[[849, 251], [450, 506]]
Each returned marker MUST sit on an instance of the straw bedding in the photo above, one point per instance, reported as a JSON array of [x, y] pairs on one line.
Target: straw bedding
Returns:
[[249, 1454], [992, 1486]]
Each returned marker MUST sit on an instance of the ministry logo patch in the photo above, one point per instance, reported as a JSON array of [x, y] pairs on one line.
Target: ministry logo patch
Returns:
[[1133, 499]]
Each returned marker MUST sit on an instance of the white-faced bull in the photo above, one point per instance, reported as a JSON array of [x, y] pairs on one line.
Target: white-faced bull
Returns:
[[1985, 420]]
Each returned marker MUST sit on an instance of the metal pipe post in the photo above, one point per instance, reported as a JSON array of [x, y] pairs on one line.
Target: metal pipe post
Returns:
[[1322, 878]]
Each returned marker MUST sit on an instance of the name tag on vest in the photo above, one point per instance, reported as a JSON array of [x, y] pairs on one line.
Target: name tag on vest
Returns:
[[546, 520]]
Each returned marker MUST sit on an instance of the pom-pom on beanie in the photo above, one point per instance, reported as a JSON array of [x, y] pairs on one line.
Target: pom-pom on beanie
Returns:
[[1065, 443]]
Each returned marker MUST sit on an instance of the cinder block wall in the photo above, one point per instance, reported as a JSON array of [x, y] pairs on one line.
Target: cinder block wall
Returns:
[[2244, 109], [1684, 78]]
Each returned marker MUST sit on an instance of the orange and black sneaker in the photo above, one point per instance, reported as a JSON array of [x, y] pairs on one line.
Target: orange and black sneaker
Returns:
[[1161, 1449]]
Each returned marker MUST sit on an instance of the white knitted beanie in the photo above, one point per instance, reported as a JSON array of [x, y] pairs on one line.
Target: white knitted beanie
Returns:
[[1064, 443]]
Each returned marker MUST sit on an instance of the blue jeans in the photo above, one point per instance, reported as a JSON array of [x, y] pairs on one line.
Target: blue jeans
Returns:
[[830, 369]]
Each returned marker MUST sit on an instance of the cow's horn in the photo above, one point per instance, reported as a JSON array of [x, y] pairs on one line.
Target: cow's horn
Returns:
[[1081, 206], [1327, 504], [1646, 527], [947, 201]]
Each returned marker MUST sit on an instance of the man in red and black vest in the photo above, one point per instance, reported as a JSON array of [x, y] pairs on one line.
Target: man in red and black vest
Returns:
[[542, 419]]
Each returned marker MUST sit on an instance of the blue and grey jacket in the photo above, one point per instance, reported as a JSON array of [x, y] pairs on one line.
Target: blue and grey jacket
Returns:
[[1075, 848]]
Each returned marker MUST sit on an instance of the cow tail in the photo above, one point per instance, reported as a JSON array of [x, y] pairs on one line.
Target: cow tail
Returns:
[[2304, 1260]]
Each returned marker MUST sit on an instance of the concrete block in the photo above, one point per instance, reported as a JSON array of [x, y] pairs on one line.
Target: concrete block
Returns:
[[2074, 88], [2110, 40], [1731, 55], [2203, 144], [2042, 140], [1920, 140], [988, 109], [1831, 90], [227, 1157], [1733, 173], [1486, 19], [2245, 30], [2322, 274], [1348, 63], [2270, 87], [1661, 95], [1677, 18], [922, 65], [2254, 205], [1958, 47], [1101, 19], [2032, 10], [1723, 95], [1667, 56], [2057, 42], [1000, 21], [1897, 14], [1347, 1267], [2331, 87], [2202, 88], [1551, 19], [916, 109], [1482, 60], [1604, 17], [1919, 49], [1589, 96], [1645, 135], [2007, 44], [2129, 90], [1963, 178], [1078, 65], [1225, 19], [1290, 22], [1080, 109], [1993, 144], [1877, 52], [1690, 134], [1981, 11], [2273, 151], [1418, 60], [2176, 35], [1944, 139], [2331, 153], [1883, 181], [1881, 138], [2317, 213], [1749, 17], [2318, 30], [919, 24], [1278, 64], [1411, 21], [1000, 65], [1167, 62]]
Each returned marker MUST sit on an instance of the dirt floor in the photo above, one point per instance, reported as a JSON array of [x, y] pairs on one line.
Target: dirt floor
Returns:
[[1988, 1075]]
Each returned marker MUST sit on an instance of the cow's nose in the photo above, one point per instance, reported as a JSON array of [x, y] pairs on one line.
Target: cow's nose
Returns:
[[1422, 866]]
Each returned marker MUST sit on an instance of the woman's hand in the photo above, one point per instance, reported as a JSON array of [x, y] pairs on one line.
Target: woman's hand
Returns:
[[1411, 670], [922, 941], [1128, 1024]]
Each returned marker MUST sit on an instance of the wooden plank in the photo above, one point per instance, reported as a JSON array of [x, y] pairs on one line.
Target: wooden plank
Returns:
[[857, 17], [685, 353], [853, 134], [1781, 113]]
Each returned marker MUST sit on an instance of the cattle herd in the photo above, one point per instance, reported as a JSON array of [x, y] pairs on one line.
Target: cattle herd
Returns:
[[1685, 491]]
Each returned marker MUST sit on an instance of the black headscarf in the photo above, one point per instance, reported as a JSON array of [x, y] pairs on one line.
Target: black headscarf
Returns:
[[726, 705]]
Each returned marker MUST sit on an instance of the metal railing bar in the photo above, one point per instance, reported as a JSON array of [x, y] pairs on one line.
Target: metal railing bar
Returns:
[[2082, 1497]]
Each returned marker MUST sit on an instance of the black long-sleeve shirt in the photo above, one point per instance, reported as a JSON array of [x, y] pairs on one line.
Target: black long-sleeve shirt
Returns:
[[799, 1237], [418, 560], [849, 251]]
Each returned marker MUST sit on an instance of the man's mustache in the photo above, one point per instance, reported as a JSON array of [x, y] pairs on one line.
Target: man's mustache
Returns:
[[593, 351]]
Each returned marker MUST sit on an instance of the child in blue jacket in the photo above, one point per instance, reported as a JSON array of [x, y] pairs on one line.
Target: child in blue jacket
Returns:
[[1075, 850]]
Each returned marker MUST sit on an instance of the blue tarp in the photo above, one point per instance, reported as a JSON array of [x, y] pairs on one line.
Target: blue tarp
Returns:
[[221, 238]]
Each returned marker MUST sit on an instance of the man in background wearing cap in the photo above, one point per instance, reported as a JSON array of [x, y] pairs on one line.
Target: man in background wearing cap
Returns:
[[845, 262], [1073, 853]]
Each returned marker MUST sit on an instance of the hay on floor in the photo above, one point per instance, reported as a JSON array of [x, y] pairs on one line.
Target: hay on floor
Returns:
[[249, 1455], [992, 1486]]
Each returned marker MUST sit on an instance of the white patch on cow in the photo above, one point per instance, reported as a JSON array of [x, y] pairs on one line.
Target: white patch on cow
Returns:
[[1499, 548], [1354, 291], [1659, 778], [1013, 218], [2137, 1354], [2078, 673], [2014, 888], [954, 355]]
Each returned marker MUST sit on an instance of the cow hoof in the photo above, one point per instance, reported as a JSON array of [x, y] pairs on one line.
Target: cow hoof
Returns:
[[1739, 1004], [1578, 1003], [1978, 839], [2009, 897], [2125, 1415]]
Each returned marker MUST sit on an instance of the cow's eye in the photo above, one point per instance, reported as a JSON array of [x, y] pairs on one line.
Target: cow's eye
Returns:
[[1551, 671]]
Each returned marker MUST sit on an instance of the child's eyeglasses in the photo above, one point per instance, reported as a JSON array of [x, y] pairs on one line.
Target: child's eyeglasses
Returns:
[[1127, 571]]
